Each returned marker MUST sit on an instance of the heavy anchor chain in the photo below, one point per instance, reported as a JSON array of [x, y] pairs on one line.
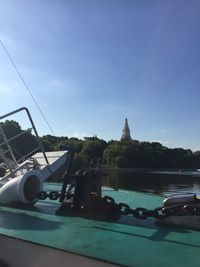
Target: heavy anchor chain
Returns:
[[53, 195], [81, 195], [183, 209], [107, 208]]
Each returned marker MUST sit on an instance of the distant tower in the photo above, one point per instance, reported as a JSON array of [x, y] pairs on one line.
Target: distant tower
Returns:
[[126, 132]]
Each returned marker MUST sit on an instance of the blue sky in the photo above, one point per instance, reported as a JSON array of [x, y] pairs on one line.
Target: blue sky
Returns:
[[91, 63]]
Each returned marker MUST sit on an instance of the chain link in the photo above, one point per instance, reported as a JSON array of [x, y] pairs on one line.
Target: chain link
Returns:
[[138, 213], [159, 212], [53, 195]]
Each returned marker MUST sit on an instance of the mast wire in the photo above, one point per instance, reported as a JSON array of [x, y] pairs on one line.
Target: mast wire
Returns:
[[26, 86]]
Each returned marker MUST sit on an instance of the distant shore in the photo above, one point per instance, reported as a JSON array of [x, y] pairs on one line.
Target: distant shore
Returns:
[[149, 170], [110, 169]]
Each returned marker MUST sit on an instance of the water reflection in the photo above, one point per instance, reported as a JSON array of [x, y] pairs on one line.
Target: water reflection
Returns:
[[164, 184]]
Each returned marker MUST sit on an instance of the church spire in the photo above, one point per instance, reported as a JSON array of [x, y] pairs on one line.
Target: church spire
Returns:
[[126, 132]]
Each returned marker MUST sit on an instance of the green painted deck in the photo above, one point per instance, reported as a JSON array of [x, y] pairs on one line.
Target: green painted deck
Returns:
[[128, 242]]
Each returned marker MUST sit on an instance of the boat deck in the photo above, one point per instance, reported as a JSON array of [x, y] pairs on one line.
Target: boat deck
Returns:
[[128, 242]]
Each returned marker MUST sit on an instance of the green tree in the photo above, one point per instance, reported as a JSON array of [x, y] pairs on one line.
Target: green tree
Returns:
[[23, 144], [92, 150]]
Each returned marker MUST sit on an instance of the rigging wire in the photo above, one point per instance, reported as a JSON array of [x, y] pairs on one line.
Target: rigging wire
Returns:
[[26, 86]]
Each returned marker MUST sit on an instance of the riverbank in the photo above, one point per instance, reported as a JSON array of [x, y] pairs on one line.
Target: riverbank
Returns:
[[110, 169]]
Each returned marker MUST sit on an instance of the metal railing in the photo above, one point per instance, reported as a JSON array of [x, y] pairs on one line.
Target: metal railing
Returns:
[[5, 147]]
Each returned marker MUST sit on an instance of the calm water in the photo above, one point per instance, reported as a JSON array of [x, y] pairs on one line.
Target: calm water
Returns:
[[165, 183]]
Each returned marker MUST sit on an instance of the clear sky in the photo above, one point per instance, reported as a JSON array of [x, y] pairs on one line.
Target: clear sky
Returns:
[[91, 63]]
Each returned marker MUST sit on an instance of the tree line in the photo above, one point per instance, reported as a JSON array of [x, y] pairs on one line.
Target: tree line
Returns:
[[93, 151]]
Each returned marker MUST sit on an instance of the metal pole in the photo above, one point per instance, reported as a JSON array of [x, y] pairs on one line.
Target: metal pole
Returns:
[[33, 126], [7, 143]]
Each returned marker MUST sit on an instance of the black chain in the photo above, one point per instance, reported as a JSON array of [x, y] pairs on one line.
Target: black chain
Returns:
[[139, 213], [53, 195], [157, 213]]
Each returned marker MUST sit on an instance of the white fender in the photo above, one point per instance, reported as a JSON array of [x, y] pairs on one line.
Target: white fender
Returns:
[[22, 188]]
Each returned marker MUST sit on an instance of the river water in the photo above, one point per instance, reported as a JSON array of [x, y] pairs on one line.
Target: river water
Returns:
[[161, 183]]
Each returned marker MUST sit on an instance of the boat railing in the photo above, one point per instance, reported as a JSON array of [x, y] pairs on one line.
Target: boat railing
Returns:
[[13, 164]]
